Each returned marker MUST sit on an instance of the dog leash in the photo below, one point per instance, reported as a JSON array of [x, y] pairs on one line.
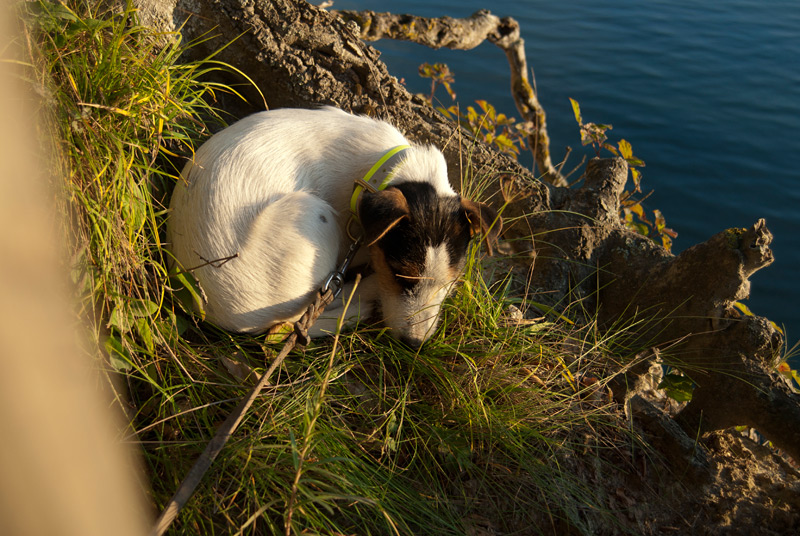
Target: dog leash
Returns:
[[298, 337], [377, 179], [336, 280]]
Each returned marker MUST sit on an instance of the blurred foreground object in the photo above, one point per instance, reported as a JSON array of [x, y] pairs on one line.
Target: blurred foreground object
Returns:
[[62, 468]]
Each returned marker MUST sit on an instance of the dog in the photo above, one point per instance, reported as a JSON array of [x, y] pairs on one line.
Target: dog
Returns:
[[264, 212]]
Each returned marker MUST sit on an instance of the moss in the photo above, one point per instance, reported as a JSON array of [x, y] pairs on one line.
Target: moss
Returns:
[[734, 236], [406, 31]]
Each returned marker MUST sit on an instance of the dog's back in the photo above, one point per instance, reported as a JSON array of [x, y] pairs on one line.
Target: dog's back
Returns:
[[273, 153], [273, 190]]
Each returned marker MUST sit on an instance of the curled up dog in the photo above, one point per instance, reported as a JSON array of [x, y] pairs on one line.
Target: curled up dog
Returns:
[[278, 195]]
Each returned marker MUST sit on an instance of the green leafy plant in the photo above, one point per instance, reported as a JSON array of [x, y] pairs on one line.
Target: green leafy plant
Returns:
[[490, 126], [592, 133], [633, 213], [440, 75], [485, 123], [677, 386]]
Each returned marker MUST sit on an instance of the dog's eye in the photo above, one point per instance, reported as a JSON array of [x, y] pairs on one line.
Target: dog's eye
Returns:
[[406, 282], [406, 274]]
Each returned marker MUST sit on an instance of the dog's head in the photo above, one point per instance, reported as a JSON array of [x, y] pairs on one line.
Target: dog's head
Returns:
[[418, 240]]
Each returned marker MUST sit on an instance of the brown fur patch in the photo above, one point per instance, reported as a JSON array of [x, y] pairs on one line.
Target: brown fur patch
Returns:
[[386, 276]]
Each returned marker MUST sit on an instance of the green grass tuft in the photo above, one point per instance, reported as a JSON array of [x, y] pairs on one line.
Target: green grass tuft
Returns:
[[122, 110]]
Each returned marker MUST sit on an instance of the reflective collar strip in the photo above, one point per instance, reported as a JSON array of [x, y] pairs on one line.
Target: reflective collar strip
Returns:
[[377, 178]]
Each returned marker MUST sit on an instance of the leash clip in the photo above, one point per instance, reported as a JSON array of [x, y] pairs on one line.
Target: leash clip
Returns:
[[335, 281]]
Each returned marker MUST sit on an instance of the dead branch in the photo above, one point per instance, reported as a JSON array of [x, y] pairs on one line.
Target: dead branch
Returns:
[[465, 34]]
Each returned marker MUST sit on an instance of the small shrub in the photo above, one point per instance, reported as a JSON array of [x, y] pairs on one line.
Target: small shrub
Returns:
[[488, 125], [633, 214]]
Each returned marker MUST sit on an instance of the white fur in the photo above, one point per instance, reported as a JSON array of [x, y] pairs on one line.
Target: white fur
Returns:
[[419, 312], [274, 189]]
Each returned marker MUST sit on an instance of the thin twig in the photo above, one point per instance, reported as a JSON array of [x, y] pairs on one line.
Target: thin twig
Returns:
[[216, 263]]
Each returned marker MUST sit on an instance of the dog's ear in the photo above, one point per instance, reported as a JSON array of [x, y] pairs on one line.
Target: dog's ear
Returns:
[[483, 220], [380, 211]]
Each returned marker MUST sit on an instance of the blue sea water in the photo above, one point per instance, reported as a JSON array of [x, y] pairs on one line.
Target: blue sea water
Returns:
[[708, 93]]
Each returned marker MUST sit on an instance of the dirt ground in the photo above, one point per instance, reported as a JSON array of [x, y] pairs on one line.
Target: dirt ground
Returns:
[[725, 483]]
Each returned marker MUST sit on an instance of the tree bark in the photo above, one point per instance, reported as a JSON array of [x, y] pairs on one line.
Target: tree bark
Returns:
[[302, 56]]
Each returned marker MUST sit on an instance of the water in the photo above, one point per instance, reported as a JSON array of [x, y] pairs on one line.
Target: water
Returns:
[[708, 93]]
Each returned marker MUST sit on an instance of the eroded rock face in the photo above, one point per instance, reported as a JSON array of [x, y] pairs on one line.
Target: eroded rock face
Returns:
[[682, 304]]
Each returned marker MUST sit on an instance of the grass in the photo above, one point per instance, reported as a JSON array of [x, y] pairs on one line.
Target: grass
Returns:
[[478, 431]]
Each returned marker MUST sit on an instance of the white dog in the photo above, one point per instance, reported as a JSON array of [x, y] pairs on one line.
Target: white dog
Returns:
[[261, 219]]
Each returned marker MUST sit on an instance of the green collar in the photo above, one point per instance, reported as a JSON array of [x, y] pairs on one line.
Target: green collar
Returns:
[[377, 178]]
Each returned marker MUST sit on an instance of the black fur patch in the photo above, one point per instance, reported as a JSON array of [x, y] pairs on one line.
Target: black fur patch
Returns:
[[433, 220]]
